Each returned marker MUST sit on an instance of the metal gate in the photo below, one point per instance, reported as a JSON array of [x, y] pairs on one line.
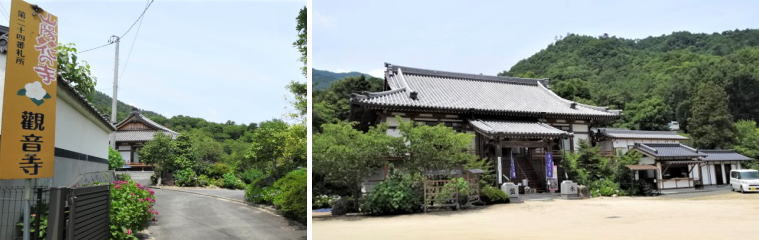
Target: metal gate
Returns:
[[79, 213]]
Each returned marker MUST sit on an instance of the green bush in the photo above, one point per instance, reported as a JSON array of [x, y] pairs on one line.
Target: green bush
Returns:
[[490, 195], [114, 159], [229, 180], [257, 194], [131, 209], [451, 189], [252, 175], [396, 195], [323, 201], [344, 205], [185, 178], [217, 170], [203, 181], [291, 195], [604, 187], [124, 177]]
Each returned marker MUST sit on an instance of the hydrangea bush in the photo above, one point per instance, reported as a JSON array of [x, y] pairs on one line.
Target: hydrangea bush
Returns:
[[131, 209]]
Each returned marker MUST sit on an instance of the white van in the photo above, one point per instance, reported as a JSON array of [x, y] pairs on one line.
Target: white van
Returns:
[[744, 180]]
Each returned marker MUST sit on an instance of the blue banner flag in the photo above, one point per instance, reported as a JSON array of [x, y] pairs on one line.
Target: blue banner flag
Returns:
[[549, 165], [513, 170]]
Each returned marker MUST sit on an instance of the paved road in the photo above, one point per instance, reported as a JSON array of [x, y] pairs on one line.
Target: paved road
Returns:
[[188, 216]]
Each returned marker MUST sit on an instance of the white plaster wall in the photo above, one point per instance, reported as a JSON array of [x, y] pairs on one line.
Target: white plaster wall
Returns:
[[580, 137], [580, 128], [626, 144], [76, 132]]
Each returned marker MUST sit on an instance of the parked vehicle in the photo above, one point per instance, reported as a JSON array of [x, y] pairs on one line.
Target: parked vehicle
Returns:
[[744, 180]]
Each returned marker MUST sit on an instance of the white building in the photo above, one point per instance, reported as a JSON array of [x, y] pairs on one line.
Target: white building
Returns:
[[617, 140]]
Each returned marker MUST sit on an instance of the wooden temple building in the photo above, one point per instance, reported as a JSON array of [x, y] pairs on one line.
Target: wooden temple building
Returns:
[[132, 133], [511, 118]]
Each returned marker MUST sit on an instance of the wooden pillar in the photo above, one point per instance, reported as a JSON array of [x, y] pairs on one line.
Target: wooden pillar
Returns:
[[498, 154], [659, 175]]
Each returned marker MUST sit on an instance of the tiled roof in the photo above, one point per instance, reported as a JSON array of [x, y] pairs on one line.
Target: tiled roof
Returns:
[[136, 116], [460, 92], [640, 134], [668, 151], [139, 136], [724, 155], [517, 128]]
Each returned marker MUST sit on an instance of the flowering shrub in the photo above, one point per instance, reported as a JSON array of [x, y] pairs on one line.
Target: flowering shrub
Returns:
[[131, 209]]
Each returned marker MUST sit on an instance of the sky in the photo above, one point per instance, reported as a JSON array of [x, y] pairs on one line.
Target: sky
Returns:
[[219, 60], [489, 37]]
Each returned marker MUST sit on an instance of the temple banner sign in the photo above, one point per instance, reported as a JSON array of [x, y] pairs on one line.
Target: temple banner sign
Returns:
[[27, 137]]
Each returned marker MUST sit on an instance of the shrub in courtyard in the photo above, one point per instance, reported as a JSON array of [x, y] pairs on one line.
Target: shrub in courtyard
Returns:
[[396, 195], [185, 178], [324, 201], [131, 209], [229, 180], [291, 195], [114, 159], [344, 205], [456, 187], [490, 195], [604, 187]]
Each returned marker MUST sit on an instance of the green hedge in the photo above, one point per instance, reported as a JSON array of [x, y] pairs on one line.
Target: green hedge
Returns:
[[291, 195], [490, 195]]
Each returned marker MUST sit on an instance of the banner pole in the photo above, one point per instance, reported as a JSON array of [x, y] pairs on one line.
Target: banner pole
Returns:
[[27, 210]]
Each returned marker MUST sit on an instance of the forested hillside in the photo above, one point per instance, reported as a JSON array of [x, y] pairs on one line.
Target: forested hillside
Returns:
[[653, 79], [323, 79]]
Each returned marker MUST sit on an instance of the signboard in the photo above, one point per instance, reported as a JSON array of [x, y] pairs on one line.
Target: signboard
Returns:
[[27, 135]]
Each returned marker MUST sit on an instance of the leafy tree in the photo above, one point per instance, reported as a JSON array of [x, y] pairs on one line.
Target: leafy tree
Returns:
[[299, 90], [333, 104], [114, 159], [574, 89], [301, 42], [711, 125], [747, 141], [587, 165], [433, 147], [345, 156], [161, 152], [75, 71], [277, 148], [649, 114]]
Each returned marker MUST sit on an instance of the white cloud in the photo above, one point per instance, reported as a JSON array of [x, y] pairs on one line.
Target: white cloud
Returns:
[[324, 21], [379, 72]]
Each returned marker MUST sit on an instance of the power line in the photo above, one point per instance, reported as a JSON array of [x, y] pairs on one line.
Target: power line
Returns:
[[134, 40], [96, 47], [138, 18]]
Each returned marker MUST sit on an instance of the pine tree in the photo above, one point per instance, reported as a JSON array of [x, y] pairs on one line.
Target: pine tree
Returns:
[[710, 124]]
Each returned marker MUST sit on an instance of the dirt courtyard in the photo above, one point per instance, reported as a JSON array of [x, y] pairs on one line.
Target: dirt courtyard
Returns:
[[715, 215]]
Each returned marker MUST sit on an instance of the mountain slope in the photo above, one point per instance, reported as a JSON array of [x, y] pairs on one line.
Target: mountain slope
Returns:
[[323, 79], [612, 71]]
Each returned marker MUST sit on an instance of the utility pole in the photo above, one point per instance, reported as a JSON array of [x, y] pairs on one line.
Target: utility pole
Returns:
[[115, 39], [114, 103]]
